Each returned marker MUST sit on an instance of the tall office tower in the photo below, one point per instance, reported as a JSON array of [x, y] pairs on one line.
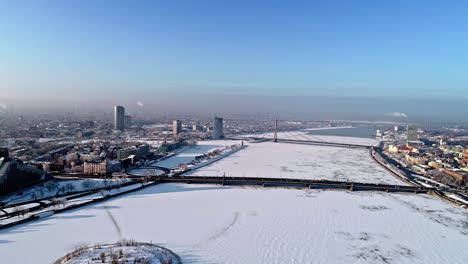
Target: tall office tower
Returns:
[[176, 127], [119, 118], [218, 128], [128, 121], [412, 134]]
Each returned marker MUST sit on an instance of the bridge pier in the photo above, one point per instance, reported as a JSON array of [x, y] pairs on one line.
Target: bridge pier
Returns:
[[351, 188]]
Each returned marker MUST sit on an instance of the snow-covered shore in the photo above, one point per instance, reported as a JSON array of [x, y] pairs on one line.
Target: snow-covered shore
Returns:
[[188, 154]]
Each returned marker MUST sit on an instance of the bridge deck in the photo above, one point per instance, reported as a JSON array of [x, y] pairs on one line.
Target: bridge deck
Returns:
[[281, 182], [311, 142]]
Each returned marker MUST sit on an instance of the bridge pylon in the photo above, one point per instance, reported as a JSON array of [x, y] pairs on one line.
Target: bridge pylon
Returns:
[[276, 130]]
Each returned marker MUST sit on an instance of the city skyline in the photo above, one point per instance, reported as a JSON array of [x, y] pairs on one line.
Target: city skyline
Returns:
[[233, 131], [113, 50], [305, 107]]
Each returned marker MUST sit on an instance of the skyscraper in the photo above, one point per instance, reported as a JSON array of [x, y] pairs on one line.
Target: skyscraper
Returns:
[[218, 128], [176, 127], [119, 118], [128, 121], [412, 134]]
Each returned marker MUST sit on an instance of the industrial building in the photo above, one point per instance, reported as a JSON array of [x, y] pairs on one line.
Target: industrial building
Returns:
[[218, 128], [119, 118], [176, 127], [14, 175]]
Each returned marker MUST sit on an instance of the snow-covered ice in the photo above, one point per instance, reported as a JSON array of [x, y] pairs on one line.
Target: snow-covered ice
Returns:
[[215, 224], [284, 160], [303, 135]]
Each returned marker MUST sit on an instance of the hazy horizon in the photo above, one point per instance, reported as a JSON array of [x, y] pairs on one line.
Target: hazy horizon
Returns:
[[303, 107], [321, 59]]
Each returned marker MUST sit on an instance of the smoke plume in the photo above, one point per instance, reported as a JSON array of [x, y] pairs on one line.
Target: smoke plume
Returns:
[[398, 114]]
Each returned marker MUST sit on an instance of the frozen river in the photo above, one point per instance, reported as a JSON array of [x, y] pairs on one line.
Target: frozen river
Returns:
[[213, 224], [283, 160]]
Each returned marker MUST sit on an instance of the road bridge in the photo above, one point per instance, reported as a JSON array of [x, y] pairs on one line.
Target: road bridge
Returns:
[[286, 183], [322, 143], [305, 142]]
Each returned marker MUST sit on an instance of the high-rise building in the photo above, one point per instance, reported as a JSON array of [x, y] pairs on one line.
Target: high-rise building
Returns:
[[412, 134], [218, 128], [176, 127], [128, 121], [119, 118]]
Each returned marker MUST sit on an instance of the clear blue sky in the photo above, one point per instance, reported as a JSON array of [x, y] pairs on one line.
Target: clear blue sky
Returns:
[[357, 48]]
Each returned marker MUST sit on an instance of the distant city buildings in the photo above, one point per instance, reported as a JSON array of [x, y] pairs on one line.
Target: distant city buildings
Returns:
[[119, 118], [218, 128], [433, 157], [176, 127], [412, 134], [128, 121]]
